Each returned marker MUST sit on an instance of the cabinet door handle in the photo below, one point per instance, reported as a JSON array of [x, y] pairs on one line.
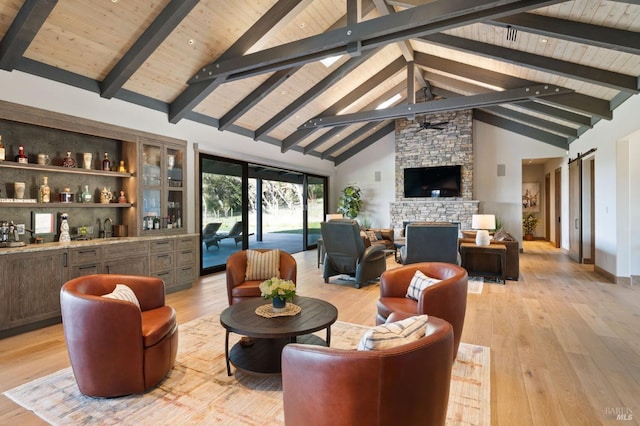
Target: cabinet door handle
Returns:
[[187, 252], [82, 268], [107, 268], [64, 262]]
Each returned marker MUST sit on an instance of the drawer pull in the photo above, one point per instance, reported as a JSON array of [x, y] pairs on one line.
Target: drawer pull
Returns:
[[163, 255], [86, 251], [82, 268], [162, 242]]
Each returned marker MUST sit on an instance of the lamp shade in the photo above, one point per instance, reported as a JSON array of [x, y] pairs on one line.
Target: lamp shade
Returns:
[[332, 216], [483, 221]]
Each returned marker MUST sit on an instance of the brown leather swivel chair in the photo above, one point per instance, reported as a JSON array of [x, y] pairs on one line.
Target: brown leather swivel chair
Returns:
[[238, 289], [116, 348], [446, 299], [406, 385]]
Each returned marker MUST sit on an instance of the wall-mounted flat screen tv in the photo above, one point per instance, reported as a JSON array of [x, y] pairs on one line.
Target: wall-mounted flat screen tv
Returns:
[[438, 181]]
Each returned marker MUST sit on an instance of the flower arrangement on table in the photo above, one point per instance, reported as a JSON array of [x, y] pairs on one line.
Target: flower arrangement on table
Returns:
[[279, 290]]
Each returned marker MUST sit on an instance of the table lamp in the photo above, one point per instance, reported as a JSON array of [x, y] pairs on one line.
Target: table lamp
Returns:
[[483, 222], [332, 216]]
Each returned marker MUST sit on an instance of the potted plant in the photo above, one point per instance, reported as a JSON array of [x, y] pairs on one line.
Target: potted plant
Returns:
[[350, 201], [529, 223]]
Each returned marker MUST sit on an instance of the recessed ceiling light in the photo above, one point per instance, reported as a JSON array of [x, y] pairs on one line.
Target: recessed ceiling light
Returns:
[[114, 1], [190, 41], [301, 25], [543, 40]]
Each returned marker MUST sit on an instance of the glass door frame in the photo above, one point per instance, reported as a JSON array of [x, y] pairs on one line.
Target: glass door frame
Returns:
[[245, 203]]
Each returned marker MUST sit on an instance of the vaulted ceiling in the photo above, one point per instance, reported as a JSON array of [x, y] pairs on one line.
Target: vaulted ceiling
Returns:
[[545, 69]]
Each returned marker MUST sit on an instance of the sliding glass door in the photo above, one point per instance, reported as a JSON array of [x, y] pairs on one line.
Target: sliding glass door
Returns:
[[248, 205], [223, 209]]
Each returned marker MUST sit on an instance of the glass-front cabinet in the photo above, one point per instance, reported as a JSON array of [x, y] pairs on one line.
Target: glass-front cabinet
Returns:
[[162, 171]]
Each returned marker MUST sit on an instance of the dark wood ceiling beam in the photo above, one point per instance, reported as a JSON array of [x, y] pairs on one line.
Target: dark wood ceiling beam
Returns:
[[521, 129], [454, 104], [419, 21], [562, 114], [578, 32], [387, 72], [23, 30], [533, 121], [600, 77], [326, 137], [274, 81], [576, 102], [368, 141], [533, 106], [268, 86], [145, 45], [398, 89], [196, 93], [368, 127], [312, 93]]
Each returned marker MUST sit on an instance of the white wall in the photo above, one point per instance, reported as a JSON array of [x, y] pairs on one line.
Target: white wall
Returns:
[[502, 195], [361, 169], [34, 91], [613, 254]]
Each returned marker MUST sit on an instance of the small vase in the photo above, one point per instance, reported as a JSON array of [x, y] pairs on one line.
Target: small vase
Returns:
[[279, 305], [68, 161]]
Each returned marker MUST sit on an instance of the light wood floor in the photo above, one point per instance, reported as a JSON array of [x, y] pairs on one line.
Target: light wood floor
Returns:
[[565, 345]]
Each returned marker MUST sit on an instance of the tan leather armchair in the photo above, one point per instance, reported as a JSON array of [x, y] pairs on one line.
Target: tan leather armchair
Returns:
[[238, 289], [407, 385], [446, 299], [116, 348]]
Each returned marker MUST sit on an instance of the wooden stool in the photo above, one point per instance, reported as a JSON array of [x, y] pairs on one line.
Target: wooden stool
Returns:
[[474, 260]]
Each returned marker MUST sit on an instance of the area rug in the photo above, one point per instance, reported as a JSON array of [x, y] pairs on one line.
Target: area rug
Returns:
[[199, 392], [474, 285]]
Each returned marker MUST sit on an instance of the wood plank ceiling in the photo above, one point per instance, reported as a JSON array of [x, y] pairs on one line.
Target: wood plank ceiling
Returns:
[[545, 69]]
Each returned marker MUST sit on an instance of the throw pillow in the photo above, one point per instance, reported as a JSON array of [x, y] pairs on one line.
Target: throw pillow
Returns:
[[262, 265], [394, 334], [123, 292], [371, 235], [503, 235], [418, 283]]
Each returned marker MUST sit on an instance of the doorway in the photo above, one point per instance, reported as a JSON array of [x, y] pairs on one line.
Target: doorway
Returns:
[[582, 208]]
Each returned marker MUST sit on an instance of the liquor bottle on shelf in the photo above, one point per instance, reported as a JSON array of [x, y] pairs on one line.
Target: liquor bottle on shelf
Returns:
[[68, 161], [1, 149], [106, 163], [21, 157], [45, 191]]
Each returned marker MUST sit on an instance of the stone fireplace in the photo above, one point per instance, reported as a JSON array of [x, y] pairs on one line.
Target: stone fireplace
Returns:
[[423, 148]]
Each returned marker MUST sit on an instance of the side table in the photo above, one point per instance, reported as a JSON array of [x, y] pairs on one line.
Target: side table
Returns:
[[484, 261]]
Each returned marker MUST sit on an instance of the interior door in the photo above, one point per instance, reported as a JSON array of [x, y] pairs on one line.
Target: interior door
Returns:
[[575, 210], [558, 206]]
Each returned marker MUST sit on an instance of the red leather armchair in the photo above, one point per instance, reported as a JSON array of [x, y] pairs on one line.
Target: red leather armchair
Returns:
[[238, 289], [406, 385], [446, 299], [115, 348]]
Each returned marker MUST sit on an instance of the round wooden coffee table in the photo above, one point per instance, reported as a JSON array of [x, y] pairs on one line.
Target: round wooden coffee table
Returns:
[[270, 335]]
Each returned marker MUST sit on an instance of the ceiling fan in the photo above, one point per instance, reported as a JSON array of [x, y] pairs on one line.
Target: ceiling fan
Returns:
[[426, 125]]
